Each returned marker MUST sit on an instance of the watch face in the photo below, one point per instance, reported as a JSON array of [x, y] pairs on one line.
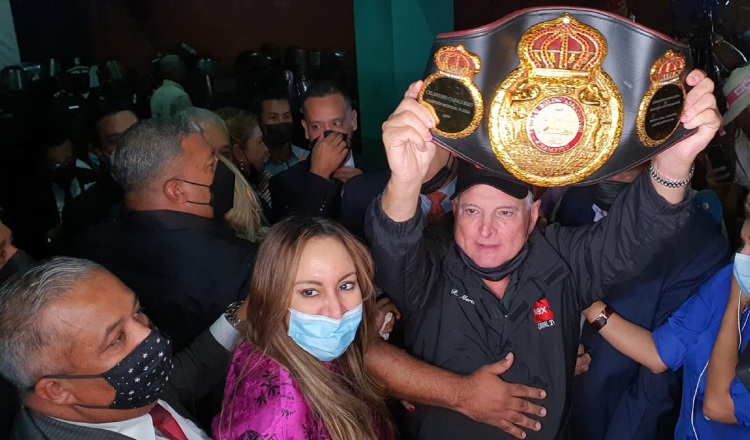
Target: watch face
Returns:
[[599, 322]]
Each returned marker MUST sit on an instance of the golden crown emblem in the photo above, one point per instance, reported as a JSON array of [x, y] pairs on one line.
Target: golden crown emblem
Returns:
[[457, 61], [563, 44], [668, 68]]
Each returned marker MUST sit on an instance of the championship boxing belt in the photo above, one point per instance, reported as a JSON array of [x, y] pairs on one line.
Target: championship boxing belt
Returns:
[[557, 96]]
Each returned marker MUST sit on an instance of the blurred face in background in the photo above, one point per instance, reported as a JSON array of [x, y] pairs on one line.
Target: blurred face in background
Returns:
[[255, 150], [111, 127]]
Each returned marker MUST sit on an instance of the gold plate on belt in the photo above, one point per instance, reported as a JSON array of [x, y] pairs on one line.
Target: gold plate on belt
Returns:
[[661, 109], [452, 93], [558, 116]]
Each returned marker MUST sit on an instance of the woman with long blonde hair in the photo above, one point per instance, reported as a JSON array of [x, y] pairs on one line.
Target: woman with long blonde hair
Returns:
[[249, 152], [246, 216], [311, 315]]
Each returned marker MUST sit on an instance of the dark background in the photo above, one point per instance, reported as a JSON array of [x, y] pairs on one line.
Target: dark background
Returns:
[[133, 31]]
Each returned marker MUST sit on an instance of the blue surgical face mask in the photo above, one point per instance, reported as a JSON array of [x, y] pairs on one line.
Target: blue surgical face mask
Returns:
[[742, 272], [323, 337]]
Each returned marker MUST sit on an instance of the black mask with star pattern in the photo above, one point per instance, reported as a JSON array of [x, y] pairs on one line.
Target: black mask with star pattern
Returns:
[[141, 377]]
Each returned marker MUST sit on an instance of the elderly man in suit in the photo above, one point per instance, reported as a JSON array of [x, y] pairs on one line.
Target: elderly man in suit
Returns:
[[88, 364]]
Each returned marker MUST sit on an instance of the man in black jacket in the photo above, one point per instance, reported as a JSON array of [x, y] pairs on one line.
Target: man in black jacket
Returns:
[[171, 245], [313, 186], [88, 364], [499, 288]]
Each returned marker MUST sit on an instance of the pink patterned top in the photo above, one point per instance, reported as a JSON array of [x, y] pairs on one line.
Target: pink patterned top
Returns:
[[261, 401]]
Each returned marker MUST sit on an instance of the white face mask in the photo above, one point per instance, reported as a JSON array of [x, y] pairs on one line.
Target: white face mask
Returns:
[[742, 272]]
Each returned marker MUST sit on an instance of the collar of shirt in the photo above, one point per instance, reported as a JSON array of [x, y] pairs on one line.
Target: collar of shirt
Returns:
[[142, 428], [350, 161]]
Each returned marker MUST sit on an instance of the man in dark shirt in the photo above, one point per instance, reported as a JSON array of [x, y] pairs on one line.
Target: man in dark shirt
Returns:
[[170, 245], [500, 288]]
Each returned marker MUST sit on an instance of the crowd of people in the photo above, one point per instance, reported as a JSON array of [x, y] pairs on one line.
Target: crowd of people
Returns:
[[202, 276]]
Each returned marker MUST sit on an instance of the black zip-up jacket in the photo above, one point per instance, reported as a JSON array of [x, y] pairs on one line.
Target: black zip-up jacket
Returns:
[[452, 321]]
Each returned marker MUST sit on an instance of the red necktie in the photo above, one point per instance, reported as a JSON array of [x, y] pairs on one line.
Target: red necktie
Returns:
[[166, 424], [436, 211]]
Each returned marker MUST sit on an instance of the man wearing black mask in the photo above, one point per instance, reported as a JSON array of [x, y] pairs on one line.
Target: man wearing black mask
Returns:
[[277, 126], [314, 186], [88, 363], [171, 245], [637, 404]]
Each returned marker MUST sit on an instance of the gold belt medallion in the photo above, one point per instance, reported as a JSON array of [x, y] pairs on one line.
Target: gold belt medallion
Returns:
[[452, 93], [661, 109], [558, 116]]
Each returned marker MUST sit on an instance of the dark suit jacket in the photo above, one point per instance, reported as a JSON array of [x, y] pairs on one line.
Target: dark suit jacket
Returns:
[[358, 193], [298, 191], [91, 207], [197, 370], [184, 268]]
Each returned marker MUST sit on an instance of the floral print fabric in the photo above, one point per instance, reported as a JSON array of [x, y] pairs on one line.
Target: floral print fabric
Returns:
[[262, 402]]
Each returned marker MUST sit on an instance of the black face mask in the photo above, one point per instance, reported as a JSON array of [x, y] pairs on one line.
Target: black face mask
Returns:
[[19, 262], [140, 378], [277, 136], [605, 193], [495, 273], [344, 136], [221, 189]]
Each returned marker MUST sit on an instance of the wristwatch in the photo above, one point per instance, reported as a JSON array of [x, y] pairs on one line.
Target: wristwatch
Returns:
[[602, 319], [231, 314]]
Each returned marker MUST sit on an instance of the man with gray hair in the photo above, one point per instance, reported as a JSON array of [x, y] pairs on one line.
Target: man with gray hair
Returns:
[[88, 363], [213, 127], [170, 97], [171, 245]]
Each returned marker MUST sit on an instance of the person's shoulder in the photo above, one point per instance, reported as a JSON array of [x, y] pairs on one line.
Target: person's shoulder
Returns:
[[379, 178], [297, 176], [369, 185], [258, 377], [715, 292], [722, 279]]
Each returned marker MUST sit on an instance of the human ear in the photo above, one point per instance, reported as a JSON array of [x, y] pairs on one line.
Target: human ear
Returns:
[[53, 390], [174, 191]]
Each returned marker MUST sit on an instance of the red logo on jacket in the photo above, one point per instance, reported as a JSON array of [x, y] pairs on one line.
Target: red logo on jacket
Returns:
[[543, 316]]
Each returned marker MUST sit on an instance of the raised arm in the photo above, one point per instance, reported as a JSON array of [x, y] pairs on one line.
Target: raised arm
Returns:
[[629, 339], [409, 148], [718, 404], [482, 396], [674, 164], [649, 212]]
